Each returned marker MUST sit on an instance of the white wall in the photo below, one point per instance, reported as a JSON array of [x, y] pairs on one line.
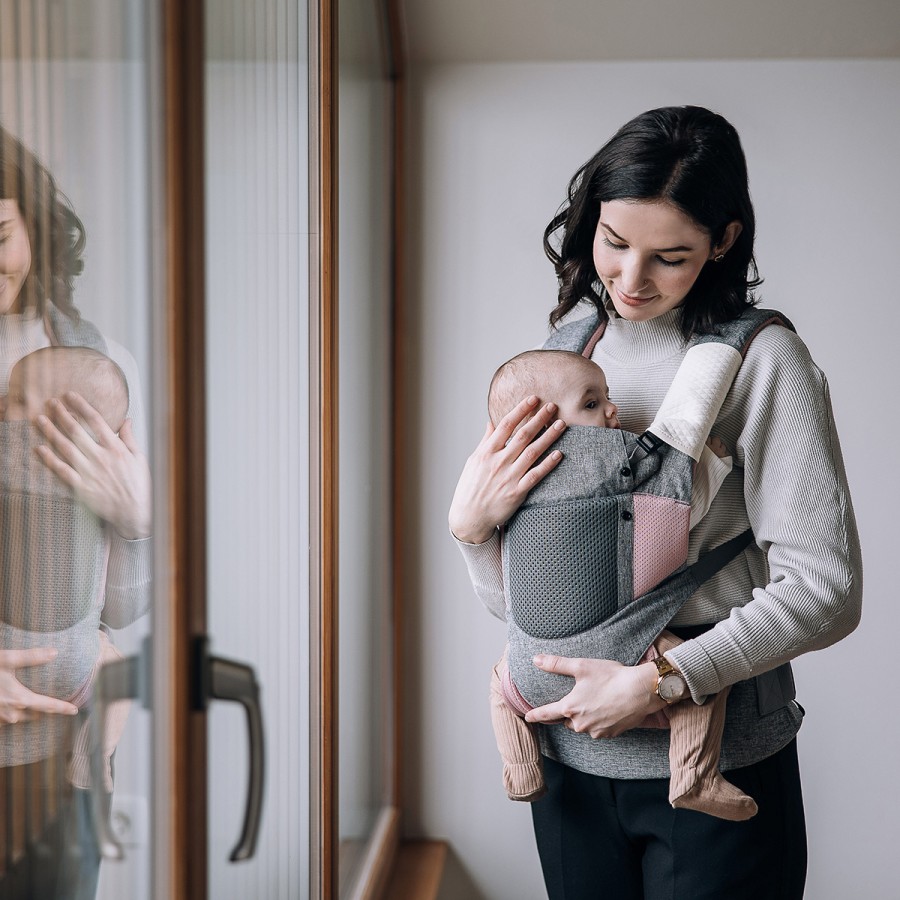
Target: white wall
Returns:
[[493, 148]]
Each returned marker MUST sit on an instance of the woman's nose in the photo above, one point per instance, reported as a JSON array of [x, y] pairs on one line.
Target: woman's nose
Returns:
[[633, 277]]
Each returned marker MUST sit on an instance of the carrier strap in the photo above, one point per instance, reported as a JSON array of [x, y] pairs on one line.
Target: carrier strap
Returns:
[[716, 559]]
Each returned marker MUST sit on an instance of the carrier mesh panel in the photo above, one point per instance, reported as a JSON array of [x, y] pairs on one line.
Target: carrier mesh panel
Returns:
[[52, 566], [47, 552], [549, 597], [661, 529]]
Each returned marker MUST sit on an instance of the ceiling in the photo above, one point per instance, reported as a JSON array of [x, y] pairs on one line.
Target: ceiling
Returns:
[[464, 31]]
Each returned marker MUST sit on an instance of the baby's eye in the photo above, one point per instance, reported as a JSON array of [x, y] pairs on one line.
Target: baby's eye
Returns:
[[591, 404]]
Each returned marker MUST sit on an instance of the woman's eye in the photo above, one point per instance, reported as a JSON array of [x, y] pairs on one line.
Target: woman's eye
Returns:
[[609, 243], [670, 262]]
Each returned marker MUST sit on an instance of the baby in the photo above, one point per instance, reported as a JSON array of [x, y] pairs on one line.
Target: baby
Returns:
[[52, 371], [578, 387], [52, 594]]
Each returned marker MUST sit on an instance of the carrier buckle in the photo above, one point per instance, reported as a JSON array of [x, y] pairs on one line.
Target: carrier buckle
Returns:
[[646, 444]]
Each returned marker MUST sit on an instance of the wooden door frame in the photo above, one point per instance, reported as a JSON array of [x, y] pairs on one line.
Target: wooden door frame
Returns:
[[324, 293], [181, 764]]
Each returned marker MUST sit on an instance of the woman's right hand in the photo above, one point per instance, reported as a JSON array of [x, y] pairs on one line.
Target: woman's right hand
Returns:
[[17, 703], [505, 466]]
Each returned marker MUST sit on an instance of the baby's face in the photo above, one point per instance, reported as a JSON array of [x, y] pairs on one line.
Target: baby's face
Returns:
[[584, 399], [30, 387]]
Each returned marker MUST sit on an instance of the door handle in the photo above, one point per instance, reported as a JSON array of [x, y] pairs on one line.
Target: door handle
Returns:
[[214, 679], [124, 679], [226, 679]]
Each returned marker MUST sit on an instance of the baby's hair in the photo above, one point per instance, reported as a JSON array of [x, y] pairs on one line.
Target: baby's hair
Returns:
[[92, 374], [523, 375]]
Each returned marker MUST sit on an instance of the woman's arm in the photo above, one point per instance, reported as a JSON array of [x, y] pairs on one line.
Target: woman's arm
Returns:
[[497, 477], [112, 477], [798, 505]]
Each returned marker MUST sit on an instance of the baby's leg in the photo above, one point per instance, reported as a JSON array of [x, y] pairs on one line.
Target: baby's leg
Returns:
[[694, 748], [523, 775]]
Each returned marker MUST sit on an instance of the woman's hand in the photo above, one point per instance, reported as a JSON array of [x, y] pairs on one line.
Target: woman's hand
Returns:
[[607, 700], [17, 703], [109, 475], [503, 469]]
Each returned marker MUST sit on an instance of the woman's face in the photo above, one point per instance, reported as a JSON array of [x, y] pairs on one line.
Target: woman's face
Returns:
[[15, 255], [648, 254]]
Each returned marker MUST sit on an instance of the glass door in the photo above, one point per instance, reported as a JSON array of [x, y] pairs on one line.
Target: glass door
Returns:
[[82, 490]]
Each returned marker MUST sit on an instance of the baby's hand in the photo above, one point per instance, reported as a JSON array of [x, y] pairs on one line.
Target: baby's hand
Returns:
[[718, 447]]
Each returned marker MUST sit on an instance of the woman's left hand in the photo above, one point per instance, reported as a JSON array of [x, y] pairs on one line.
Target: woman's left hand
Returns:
[[110, 475], [607, 699]]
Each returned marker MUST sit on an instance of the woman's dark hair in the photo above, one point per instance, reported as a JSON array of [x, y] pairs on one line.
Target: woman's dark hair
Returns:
[[55, 233], [693, 159]]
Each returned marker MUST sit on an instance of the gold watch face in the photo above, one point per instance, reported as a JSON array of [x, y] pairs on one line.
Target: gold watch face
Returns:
[[672, 687]]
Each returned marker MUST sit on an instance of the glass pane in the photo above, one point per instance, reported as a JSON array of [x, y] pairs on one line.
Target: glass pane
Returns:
[[257, 385], [365, 619], [78, 148]]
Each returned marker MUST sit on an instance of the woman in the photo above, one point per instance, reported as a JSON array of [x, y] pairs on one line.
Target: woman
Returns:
[[48, 848], [657, 233]]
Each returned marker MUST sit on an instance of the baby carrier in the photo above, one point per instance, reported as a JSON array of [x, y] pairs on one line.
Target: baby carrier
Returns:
[[595, 559], [53, 556]]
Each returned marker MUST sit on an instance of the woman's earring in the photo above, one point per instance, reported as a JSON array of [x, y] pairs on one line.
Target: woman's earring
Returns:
[[719, 258]]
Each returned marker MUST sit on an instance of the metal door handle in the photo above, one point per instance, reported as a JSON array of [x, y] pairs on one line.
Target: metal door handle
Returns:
[[234, 681], [215, 679], [119, 680]]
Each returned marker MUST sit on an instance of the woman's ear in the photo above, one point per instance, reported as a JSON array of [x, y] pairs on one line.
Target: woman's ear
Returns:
[[729, 236]]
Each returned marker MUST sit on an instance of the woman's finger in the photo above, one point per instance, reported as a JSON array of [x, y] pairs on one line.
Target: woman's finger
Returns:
[[65, 435], [38, 703], [558, 665], [126, 435], [75, 403], [532, 454], [66, 474], [550, 714], [22, 659], [506, 427]]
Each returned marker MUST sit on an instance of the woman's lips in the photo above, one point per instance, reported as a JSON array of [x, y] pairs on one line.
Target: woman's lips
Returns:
[[630, 300]]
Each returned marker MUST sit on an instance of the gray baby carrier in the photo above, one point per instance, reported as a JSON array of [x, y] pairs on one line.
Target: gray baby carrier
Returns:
[[595, 559], [53, 556]]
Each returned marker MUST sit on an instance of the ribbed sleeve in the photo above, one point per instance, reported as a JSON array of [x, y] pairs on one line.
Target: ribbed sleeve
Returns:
[[485, 566], [797, 502], [128, 581]]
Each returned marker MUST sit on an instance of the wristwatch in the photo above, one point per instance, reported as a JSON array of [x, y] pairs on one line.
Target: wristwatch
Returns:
[[670, 686]]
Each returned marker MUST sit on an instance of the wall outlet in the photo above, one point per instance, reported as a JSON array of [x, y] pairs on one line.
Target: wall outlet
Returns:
[[130, 820]]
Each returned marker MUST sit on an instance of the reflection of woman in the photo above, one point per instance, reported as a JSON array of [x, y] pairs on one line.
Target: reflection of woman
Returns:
[[48, 849], [658, 235]]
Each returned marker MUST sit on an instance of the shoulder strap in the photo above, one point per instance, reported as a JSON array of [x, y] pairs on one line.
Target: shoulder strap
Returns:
[[68, 332], [580, 336], [703, 380], [740, 332]]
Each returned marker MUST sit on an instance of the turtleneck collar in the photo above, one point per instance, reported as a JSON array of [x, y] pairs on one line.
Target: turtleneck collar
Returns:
[[638, 343], [20, 333]]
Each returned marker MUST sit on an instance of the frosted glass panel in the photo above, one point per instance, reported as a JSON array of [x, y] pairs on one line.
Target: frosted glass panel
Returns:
[[257, 439]]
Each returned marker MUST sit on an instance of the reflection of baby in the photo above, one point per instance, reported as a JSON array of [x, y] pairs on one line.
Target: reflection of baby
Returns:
[[43, 375], [51, 372], [578, 387]]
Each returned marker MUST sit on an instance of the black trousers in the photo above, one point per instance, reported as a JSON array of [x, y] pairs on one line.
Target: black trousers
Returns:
[[611, 839]]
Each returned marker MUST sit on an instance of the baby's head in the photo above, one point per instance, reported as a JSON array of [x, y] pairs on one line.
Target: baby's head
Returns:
[[52, 371], [575, 384]]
